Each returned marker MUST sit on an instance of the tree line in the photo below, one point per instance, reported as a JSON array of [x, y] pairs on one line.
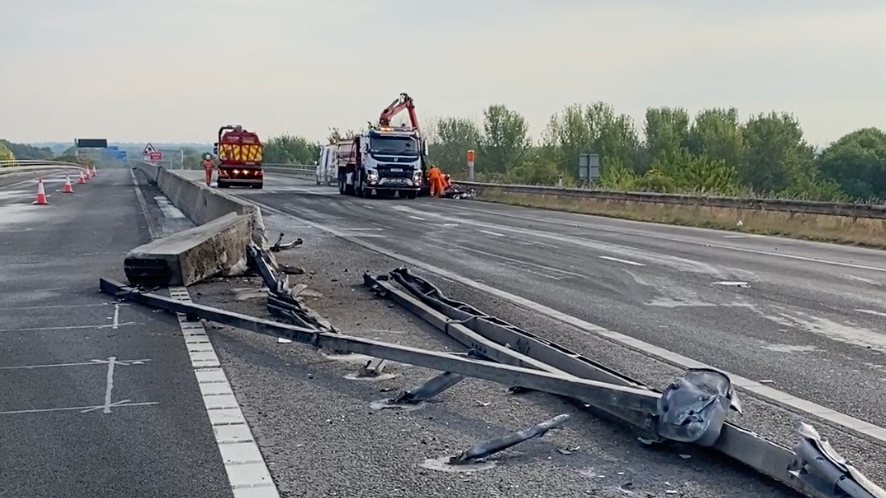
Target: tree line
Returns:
[[713, 152], [10, 151]]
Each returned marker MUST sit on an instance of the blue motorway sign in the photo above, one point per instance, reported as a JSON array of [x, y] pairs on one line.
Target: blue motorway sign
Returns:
[[121, 155]]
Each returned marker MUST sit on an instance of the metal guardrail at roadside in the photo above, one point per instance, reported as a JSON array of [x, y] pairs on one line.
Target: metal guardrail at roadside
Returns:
[[21, 166], [845, 209], [299, 170], [853, 210]]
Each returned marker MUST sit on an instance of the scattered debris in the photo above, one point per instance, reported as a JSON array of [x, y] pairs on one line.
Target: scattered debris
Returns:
[[279, 246], [488, 448]]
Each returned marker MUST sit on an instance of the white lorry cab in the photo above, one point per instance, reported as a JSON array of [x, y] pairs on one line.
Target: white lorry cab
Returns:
[[327, 165]]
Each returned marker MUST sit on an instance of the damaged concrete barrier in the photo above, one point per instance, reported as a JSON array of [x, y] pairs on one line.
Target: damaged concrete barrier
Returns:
[[213, 248], [202, 204]]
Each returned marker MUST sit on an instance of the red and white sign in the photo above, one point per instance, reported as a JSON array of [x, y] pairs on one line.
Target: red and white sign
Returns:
[[149, 149], [156, 156]]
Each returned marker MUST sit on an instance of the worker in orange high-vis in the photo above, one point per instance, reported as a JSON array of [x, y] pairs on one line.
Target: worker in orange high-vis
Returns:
[[435, 177], [208, 166]]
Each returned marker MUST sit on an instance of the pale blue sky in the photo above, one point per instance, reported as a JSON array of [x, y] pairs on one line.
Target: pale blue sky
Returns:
[[175, 70]]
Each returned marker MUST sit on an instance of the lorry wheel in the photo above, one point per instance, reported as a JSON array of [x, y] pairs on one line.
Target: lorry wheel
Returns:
[[341, 185], [258, 185], [222, 185], [358, 185]]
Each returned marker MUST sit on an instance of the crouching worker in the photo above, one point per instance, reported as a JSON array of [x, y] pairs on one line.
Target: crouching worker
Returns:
[[435, 177]]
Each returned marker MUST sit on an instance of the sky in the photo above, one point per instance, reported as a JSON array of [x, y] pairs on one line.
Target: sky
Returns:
[[176, 70]]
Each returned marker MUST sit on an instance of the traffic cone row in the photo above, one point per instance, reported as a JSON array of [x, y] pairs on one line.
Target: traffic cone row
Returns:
[[69, 188]]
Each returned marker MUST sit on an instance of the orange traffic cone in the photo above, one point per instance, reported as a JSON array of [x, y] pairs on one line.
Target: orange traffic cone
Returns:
[[41, 194], [82, 178], [91, 172], [69, 189], [94, 172]]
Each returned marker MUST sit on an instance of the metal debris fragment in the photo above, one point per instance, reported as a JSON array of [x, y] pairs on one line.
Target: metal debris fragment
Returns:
[[487, 448], [279, 246]]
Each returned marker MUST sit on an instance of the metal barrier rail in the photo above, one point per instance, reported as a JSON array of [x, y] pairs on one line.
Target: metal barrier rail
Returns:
[[299, 170], [853, 210], [21, 166], [845, 209]]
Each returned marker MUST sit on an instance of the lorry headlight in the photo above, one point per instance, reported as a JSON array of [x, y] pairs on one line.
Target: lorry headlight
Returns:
[[372, 175], [416, 176]]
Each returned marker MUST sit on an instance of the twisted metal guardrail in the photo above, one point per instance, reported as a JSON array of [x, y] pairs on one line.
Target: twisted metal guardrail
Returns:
[[845, 209]]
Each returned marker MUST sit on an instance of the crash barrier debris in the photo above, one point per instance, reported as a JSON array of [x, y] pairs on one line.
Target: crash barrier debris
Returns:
[[283, 301], [692, 409], [846, 209], [190, 256], [511, 356]]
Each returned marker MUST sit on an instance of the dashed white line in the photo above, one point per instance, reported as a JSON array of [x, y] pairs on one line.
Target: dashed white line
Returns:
[[618, 260], [417, 218], [494, 234], [247, 472], [872, 312], [116, 323]]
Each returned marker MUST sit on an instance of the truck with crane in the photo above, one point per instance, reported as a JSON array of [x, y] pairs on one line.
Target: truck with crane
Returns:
[[240, 157], [383, 159]]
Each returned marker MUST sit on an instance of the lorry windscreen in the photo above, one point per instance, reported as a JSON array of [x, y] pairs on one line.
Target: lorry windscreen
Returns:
[[398, 146]]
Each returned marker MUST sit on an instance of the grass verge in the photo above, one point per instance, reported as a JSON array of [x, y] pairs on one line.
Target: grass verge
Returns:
[[864, 232]]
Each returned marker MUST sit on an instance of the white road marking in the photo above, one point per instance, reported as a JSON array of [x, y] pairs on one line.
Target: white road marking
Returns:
[[81, 409], [862, 279], [69, 327], [167, 208], [81, 364], [617, 260], [116, 323], [494, 234], [732, 284], [849, 424], [520, 262], [110, 385], [61, 306], [152, 229], [417, 218], [651, 235], [247, 472], [872, 312]]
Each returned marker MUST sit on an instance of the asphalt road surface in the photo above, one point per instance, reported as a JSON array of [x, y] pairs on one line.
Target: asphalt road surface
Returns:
[[805, 318], [96, 398]]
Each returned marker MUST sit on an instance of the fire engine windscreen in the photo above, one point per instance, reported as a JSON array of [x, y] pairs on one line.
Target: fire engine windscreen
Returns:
[[399, 146]]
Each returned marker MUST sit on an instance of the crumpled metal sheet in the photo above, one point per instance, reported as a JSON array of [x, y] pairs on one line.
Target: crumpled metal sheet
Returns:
[[810, 435], [694, 407]]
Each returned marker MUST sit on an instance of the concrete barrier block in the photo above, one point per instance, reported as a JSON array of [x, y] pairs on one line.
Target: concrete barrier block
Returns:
[[187, 257]]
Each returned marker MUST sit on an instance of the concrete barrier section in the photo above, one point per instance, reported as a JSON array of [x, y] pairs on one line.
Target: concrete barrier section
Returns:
[[214, 248]]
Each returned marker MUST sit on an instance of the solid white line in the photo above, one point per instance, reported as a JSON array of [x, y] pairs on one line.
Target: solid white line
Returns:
[[872, 312], [82, 364], [116, 316], [110, 384], [152, 230], [849, 424], [247, 471], [610, 258], [82, 409], [69, 327], [60, 306]]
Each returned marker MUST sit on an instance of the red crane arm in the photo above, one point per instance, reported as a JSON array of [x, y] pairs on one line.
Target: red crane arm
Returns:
[[403, 102]]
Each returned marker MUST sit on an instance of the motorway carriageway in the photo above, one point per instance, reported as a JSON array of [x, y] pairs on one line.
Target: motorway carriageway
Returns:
[[96, 398], [808, 319]]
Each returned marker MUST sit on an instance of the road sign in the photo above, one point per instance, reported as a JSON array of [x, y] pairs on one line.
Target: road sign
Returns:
[[156, 156], [149, 149], [121, 155]]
